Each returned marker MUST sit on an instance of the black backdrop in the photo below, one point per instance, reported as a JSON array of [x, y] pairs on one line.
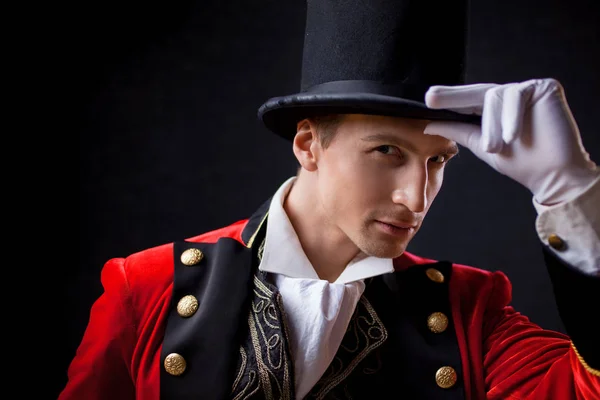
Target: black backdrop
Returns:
[[170, 145]]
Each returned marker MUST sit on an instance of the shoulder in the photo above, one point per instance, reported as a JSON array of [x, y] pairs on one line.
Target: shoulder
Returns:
[[153, 267], [469, 283], [477, 284]]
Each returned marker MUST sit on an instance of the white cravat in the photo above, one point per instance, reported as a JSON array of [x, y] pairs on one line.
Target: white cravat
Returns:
[[318, 312]]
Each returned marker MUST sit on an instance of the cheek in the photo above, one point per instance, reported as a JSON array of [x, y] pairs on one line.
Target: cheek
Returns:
[[342, 172], [348, 188], [435, 184]]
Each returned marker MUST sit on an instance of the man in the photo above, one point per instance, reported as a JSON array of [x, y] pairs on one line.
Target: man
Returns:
[[314, 296]]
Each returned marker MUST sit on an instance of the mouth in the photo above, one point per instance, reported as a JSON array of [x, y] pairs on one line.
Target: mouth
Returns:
[[399, 224], [397, 228]]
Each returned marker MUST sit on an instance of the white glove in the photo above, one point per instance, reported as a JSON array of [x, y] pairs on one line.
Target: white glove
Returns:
[[527, 133]]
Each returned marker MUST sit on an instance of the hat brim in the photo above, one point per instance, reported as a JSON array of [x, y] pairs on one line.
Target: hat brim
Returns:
[[282, 114]]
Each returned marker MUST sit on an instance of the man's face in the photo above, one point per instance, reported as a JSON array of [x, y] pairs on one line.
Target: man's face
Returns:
[[377, 179]]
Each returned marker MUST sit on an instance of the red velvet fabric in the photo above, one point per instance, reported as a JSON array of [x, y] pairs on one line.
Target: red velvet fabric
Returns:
[[504, 355]]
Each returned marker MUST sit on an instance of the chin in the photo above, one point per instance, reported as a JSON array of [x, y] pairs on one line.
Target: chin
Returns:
[[383, 250]]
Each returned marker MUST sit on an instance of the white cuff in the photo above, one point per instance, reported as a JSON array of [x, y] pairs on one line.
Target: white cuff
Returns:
[[572, 229]]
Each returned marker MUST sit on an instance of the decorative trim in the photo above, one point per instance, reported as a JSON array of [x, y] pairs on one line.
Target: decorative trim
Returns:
[[251, 379], [264, 367], [365, 333], [251, 241], [589, 369]]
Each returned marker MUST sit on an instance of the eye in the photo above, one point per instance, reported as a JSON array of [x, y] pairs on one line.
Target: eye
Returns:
[[387, 149]]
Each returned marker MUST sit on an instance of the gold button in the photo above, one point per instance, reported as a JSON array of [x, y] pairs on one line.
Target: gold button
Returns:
[[187, 306], [437, 322], [175, 364], [556, 242], [191, 257], [445, 377], [435, 275]]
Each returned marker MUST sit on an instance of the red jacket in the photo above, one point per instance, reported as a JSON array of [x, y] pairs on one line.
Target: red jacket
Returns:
[[504, 355]]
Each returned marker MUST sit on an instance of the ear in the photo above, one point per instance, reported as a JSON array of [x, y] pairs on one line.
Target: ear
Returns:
[[306, 145]]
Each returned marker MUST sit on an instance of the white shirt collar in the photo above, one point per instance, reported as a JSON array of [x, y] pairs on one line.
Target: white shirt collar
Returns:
[[284, 255]]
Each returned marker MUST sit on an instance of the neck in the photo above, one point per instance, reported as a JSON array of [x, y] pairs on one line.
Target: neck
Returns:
[[327, 248]]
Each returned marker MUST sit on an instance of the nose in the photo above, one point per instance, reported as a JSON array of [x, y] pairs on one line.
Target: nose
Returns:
[[411, 189]]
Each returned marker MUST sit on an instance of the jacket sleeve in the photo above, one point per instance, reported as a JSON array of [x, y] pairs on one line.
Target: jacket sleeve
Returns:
[[101, 368], [524, 361]]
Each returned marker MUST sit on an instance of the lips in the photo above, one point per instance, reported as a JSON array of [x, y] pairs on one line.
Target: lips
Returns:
[[400, 224]]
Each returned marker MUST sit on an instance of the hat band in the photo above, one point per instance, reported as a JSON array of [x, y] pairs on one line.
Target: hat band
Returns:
[[402, 90]]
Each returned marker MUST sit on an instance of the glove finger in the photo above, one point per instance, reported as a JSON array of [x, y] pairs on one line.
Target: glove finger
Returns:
[[516, 99], [491, 120], [466, 135], [461, 98]]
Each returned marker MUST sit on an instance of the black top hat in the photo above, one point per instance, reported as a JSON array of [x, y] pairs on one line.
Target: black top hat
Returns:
[[375, 57]]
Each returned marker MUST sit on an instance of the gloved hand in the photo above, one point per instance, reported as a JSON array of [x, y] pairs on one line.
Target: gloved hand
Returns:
[[527, 133]]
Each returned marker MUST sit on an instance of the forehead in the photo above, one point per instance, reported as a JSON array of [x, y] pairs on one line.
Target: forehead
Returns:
[[363, 124], [407, 132]]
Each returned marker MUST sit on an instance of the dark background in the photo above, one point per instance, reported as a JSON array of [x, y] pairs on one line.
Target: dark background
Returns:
[[170, 145]]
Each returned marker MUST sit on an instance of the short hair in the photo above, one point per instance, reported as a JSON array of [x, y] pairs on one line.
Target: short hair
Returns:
[[326, 129], [327, 126]]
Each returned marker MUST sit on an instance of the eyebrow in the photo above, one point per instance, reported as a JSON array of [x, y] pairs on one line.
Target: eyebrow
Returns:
[[451, 149]]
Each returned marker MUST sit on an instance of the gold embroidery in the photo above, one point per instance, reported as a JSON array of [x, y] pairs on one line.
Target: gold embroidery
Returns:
[[261, 250], [270, 376], [287, 384], [251, 378], [251, 381], [244, 359], [265, 369], [365, 333], [263, 372], [370, 370], [251, 241]]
